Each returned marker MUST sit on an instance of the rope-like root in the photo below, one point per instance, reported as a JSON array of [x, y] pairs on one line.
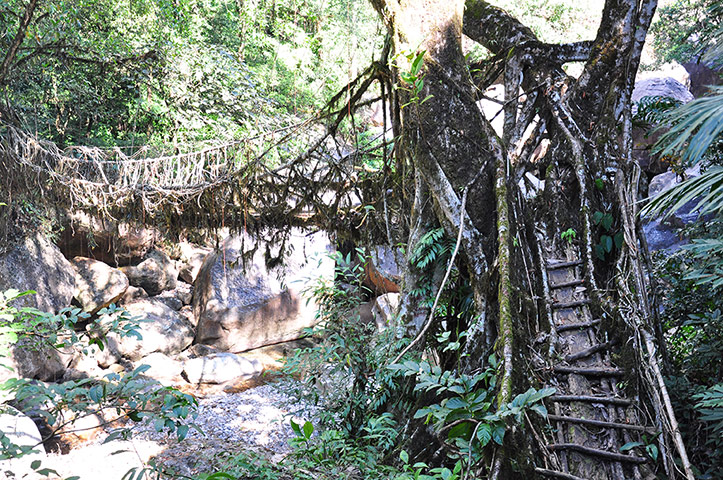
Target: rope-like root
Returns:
[[504, 292]]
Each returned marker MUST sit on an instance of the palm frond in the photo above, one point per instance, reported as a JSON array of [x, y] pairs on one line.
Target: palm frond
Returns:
[[694, 127], [707, 188]]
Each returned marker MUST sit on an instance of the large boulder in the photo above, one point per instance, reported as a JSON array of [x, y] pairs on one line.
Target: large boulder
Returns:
[[115, 243], [241, 303], [191, 258], [166, 370], [220, 368], [701, 78], [162, 328], [643, 139], [21, 431], [37, 264], [382, 272], [154, 274], [97, 285]]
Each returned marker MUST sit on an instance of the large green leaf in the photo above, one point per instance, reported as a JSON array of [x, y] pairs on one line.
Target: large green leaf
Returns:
[[694, 127]]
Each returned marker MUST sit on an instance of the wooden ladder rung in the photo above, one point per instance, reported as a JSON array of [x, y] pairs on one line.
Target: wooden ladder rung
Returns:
[[556, 474], [571, 283], [590, 371], [576, 303], [599, 423], [600, 347], [559, 265], [591, 399], [576, 326], [595, 452]]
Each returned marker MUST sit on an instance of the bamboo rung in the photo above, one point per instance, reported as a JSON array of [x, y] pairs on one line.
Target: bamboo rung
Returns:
[[599, 423], [590, 371], [615, 457], [559, 265], [591, 399], [571, 283], [556, 474]]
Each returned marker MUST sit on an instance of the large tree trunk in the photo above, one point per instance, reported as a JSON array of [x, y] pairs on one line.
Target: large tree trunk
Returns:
[[574, 134]]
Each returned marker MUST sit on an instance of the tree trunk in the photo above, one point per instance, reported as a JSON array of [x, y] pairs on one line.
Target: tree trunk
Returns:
[[575, 134]]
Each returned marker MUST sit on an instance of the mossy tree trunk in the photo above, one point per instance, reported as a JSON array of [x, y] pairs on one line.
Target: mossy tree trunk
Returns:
[[573, 133]]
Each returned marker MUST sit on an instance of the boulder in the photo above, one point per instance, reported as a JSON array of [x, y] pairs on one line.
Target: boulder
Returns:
[[132, 294], [191, 258], [30, 359], [97, 285], [114, 243], [164, 369], [241, 303], [382, 272], [220, 368], [154, 274], [21, 431], [643, 138], [178, 297], [163, 330], [384, 309], [661, 86], [701, 77], [673, 70], [37, 264], [668, 180]]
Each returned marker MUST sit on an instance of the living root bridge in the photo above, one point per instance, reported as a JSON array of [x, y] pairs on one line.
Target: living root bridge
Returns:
[[299, 175]]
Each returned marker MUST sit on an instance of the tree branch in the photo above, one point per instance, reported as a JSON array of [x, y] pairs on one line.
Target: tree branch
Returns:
[[18, 39]]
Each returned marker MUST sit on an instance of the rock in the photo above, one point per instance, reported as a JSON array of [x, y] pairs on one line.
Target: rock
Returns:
[[663, 234], [164, 369], [668, 180], [36, 264], [661, 86], [192, 257], [241, 308], [385, 309], [21, 431], [382, 272], [154, 274], [186, 312], [132, 294], [198, 350], [673, 70], [220, 368], [163, 330], [643, 139], [176, 298], [97, 285], [701, 77], [110, 242], [29, 359]]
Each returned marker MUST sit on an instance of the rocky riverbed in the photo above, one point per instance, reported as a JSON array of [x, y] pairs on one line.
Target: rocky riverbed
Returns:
[[256, 419]]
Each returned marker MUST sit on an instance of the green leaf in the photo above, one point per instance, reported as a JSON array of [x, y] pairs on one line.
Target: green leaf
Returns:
[[296, 428], [455, 403], [484, 434], [498, 434], [404, 457], [219, 475], [607, 243], [308, 430], [630, 446], [35, 464], [597, 217], [619, 239], [607, 222], [461, 430]]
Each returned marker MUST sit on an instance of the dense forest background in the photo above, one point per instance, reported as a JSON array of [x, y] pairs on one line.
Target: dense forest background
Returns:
[[170, 75]]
